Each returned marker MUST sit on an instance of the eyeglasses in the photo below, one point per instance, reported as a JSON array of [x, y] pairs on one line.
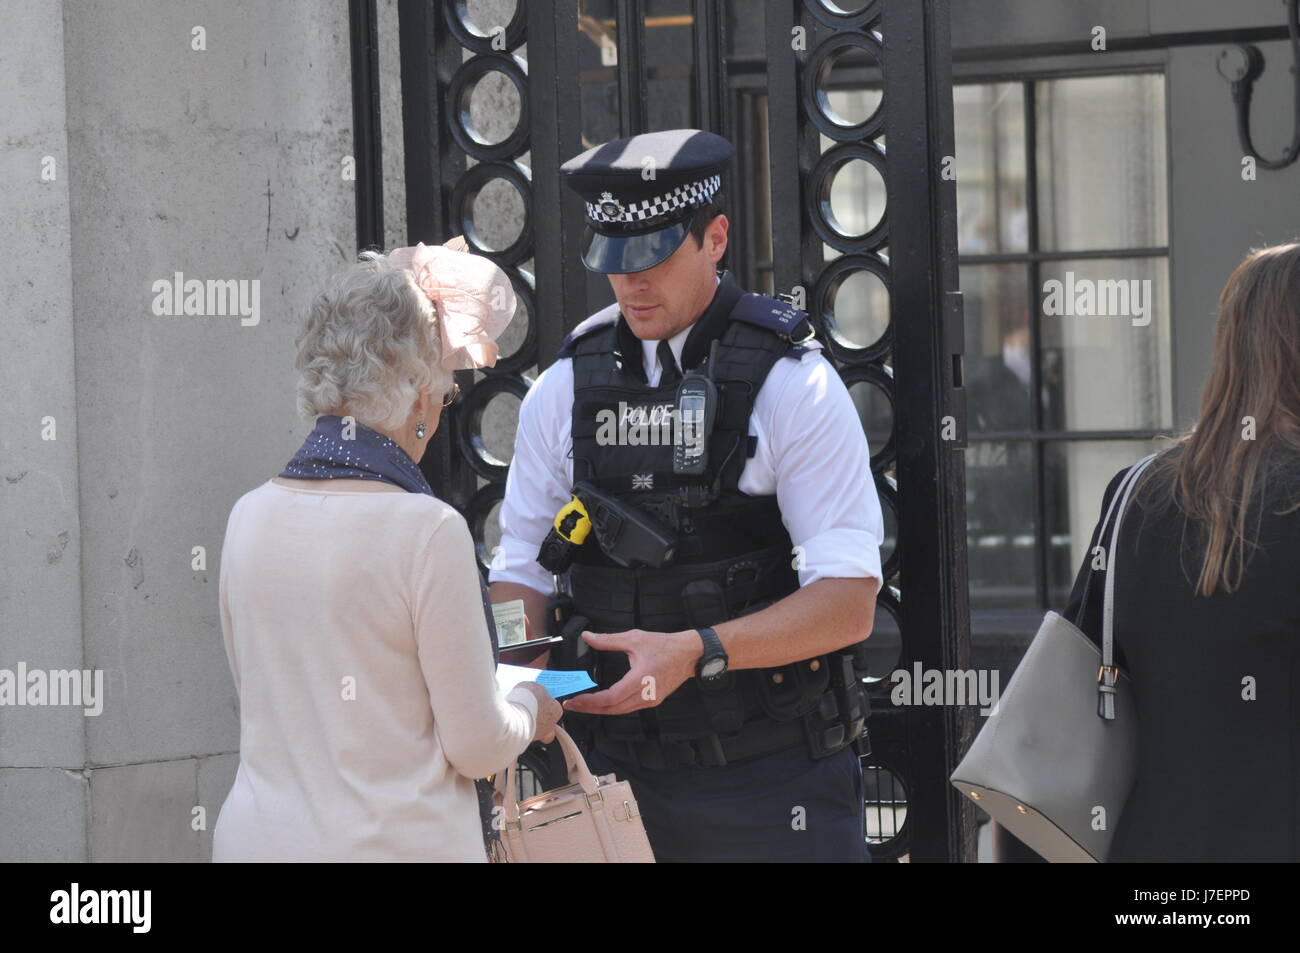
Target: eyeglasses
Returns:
[[451, 395]]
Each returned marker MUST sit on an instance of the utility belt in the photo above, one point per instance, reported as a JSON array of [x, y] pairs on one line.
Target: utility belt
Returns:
[[707, 752], [819, 702], [822, 732]]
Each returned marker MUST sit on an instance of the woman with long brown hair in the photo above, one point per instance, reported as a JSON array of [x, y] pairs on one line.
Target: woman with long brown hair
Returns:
[[1207, 614]]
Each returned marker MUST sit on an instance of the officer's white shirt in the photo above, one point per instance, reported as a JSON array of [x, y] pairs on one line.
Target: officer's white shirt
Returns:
[[812, 453]]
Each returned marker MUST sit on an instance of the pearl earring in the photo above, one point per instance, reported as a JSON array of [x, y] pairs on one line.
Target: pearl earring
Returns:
[[420, 430]]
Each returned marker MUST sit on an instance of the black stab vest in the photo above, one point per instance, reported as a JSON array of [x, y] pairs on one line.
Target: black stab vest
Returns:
[[733, 556]]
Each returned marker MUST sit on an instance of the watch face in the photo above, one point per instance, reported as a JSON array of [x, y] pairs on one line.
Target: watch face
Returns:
[[713, 668]]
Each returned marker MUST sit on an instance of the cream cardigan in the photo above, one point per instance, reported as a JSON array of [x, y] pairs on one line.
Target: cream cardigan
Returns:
[[354, 627]]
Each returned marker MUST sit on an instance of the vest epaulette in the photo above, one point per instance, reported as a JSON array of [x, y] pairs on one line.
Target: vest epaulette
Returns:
[[773, 315]]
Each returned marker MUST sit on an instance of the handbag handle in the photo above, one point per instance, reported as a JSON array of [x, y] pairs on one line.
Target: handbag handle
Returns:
[[1102, 539], [575, 763], [1107, 675]]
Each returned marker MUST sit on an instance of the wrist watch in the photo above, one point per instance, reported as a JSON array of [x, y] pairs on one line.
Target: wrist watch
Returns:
[[713, 663]]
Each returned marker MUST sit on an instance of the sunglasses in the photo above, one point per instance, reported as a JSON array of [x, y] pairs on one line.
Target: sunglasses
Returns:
[[451, 395]]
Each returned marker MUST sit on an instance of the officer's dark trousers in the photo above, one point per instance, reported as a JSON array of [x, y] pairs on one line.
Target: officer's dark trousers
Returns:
[[785, 806]]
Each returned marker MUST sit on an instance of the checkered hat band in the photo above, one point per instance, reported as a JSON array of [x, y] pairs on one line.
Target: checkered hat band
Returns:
[[684, 196]]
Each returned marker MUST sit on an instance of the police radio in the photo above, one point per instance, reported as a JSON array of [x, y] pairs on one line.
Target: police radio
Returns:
[[697, 408]]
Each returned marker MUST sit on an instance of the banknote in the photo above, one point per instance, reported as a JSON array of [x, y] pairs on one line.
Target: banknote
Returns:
[[509, 617]]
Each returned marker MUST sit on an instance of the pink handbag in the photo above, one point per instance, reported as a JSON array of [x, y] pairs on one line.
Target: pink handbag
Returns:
[[589, 821]]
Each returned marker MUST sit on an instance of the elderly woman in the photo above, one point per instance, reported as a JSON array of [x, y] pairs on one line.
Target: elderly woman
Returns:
[[351, 604]]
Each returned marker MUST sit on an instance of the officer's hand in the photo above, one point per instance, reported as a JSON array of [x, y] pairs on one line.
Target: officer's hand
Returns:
[[659, 663]]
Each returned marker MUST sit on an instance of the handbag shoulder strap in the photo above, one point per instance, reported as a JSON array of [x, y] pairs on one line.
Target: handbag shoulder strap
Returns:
[[1102, 540], [1107, 675]]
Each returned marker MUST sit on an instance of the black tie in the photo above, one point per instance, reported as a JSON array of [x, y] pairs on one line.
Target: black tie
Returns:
[[669, 375]]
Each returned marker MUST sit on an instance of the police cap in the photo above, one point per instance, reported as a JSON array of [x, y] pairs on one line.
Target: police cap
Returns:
[[641, 193]]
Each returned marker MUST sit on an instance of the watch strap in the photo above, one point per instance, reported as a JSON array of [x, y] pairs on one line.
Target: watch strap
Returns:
[[712, 649]]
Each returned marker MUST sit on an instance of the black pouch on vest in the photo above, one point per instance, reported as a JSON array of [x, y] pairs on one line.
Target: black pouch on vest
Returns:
[[790, 691], [703, 603], [842, 711], [573, 653]]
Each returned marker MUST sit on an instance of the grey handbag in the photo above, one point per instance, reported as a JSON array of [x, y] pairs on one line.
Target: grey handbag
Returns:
[[1055, 762]]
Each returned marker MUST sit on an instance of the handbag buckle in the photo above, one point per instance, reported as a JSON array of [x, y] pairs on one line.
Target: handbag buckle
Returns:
[[598, 796], [1107, 675]]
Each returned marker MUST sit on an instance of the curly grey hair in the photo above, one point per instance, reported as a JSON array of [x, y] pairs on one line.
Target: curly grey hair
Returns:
[[369, 346]]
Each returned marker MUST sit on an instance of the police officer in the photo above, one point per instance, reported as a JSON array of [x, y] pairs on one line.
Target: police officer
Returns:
[[722, 598]]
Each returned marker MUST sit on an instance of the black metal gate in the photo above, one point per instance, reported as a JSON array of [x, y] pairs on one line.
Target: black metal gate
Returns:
[[879, 276]]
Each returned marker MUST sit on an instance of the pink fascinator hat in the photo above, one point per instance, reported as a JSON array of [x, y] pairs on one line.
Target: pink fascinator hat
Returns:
[[473, 298]]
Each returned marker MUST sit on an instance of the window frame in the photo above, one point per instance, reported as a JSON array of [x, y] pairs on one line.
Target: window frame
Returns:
[[1028, 72]]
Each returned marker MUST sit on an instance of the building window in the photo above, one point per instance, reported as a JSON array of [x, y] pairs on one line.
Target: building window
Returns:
[[1063, 245]]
